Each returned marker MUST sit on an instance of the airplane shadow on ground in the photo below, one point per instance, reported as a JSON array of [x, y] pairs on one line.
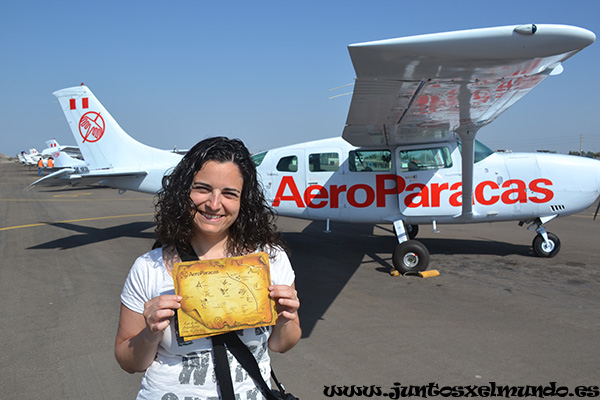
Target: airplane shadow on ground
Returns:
[[89, 235], [475, 247], [323, 262]]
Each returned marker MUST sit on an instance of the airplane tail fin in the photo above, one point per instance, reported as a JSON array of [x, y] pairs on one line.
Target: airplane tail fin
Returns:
[[103, 143], [51, 144]]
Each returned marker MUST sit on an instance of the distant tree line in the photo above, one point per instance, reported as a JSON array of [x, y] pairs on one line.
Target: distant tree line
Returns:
[[589, 154]]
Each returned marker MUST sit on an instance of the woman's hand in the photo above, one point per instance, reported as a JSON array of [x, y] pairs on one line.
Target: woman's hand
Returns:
[[286, 299], [158, 312], [286, 332], [138, 334]]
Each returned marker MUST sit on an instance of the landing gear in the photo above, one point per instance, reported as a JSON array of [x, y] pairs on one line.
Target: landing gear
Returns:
[[410, 256], [412, 231], [546, 248], [545, 244]]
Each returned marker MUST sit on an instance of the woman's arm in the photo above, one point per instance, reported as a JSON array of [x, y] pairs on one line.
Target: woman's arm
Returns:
[[286, 332], [138, 334]]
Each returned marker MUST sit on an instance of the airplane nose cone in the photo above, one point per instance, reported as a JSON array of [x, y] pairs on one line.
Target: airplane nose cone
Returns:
[[593, 175], [576, 180], [595, 168], [597, 174]]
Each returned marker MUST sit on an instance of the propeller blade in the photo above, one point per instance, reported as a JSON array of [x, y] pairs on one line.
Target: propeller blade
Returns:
[[597, 208]]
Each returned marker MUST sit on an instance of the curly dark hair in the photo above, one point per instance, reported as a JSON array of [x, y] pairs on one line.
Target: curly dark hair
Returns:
[[254, 227]]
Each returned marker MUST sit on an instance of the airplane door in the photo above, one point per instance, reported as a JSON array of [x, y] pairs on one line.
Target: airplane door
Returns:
[[283, 180], [323, 175], [428, 175]]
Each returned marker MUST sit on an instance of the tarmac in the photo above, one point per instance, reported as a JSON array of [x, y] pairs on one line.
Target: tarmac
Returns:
[[496, 314]]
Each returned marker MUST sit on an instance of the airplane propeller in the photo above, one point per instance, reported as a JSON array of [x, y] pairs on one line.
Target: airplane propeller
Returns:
[[597, 208]]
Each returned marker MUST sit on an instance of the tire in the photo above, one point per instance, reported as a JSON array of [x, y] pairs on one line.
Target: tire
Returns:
[[412, 231], [543, 249], [410, 256]]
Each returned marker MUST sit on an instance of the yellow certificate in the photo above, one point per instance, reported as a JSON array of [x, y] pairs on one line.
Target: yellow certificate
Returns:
[[223, 295]]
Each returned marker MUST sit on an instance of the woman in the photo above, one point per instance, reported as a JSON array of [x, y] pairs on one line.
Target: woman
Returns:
[[212, 204]]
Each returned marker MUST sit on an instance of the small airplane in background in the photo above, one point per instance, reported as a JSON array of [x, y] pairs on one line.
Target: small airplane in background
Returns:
[[65, 156], [70, 155], [30, 158], [52, 147], [66, 160], [62, 159], [408, 154], [21, 158]]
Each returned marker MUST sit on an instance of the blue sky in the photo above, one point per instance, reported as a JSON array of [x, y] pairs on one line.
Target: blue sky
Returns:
[[175, 72]]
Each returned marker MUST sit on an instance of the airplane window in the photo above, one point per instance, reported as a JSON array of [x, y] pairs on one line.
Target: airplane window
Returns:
[[323, 162], [370, 160], [481, 151], [288, 164], [425, 159], [258, 158]]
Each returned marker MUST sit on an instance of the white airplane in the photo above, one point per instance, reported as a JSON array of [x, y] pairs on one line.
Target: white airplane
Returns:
[[30, 158], [65, 162], [52, 147], [64, 156], [111, 156], [408, 153], [62, 159]]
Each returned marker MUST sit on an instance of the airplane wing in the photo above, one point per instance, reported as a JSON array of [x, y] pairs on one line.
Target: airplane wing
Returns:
[[423, 88], [74, 176]]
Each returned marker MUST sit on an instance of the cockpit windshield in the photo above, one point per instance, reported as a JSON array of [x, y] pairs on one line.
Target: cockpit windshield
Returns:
[[258, 158], [481, 151]]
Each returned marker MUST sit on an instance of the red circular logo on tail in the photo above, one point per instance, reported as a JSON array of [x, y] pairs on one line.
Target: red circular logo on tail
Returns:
[[91, 126]]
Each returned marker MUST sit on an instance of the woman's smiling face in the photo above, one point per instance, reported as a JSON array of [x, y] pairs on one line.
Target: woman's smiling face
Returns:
[[216, 191]]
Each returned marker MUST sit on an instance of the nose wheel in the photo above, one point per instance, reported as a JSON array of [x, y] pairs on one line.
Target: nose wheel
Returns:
[[546, 248], [410, 256]]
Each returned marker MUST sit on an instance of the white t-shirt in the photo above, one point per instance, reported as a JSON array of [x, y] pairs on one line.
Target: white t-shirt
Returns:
[[185, 370]]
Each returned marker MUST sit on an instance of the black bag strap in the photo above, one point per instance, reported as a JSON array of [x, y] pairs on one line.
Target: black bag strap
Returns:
[[187, 255], [246, 359], [222, 368], [279, 384]]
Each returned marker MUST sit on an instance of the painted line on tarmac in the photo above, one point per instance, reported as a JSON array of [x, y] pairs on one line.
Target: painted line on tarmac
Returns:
[[590, 216], [75, 220]]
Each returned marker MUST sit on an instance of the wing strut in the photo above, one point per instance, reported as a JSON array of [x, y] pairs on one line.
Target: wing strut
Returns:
[[468, 159]]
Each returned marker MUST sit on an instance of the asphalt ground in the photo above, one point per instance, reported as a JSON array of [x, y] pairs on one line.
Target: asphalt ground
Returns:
[[496, 313]]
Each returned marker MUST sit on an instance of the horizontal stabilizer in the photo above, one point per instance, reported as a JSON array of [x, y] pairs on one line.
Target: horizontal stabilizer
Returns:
[[53, 179], [69, 176]]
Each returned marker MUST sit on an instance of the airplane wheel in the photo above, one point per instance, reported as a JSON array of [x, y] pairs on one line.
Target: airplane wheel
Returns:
[[410, 256], [543, 249], [412, 231]]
